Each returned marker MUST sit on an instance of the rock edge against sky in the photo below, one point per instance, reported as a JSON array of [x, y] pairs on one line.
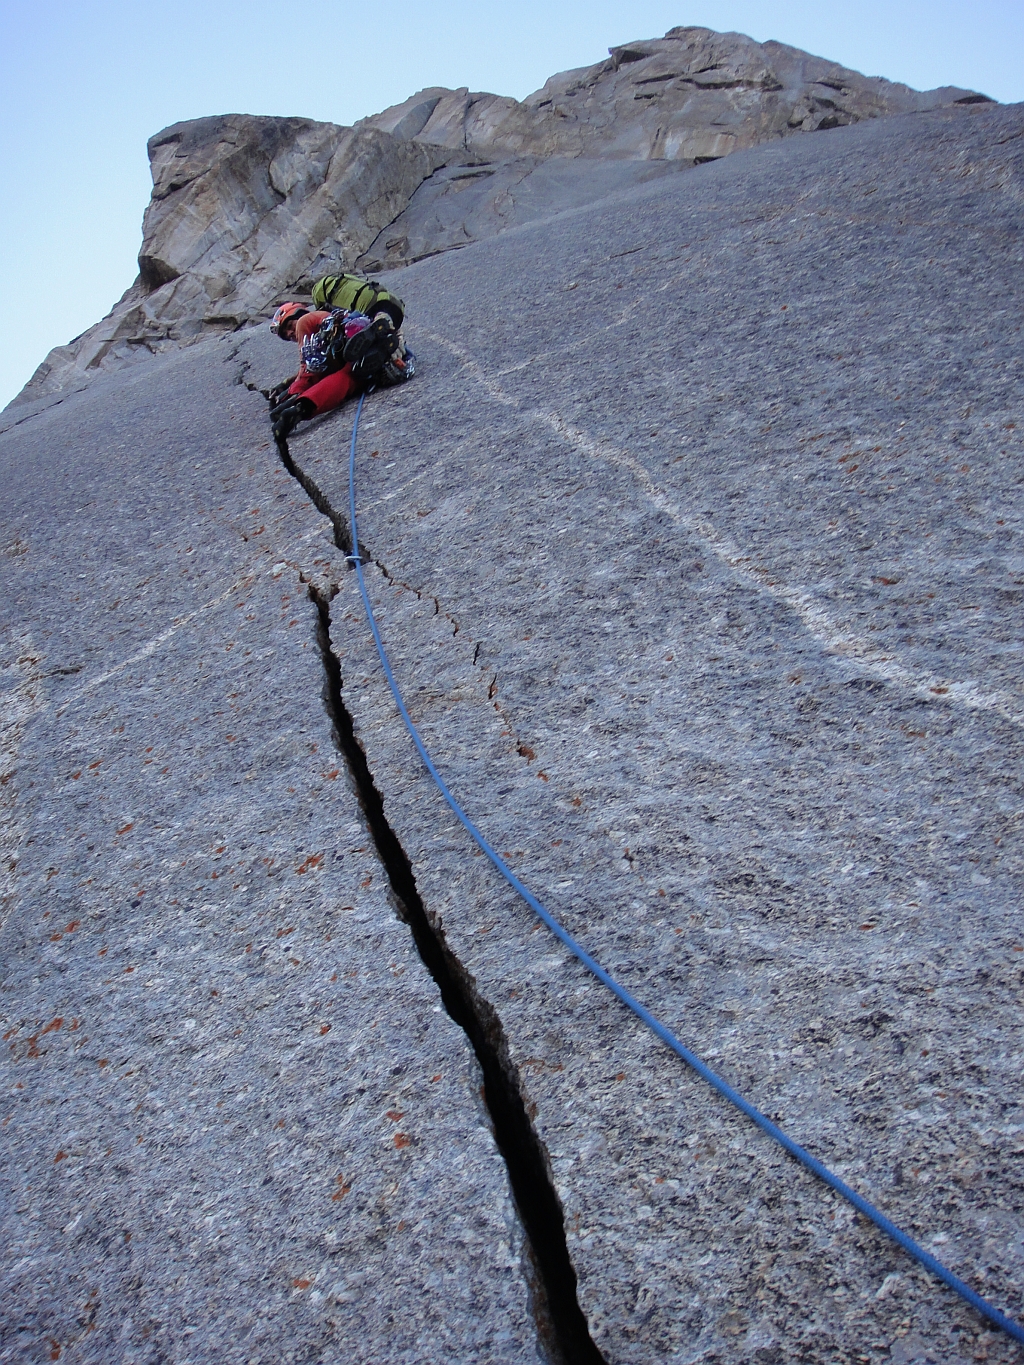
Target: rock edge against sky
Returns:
[[246, 210]]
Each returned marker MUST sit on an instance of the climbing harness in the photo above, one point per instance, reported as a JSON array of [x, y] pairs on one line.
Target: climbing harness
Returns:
[[324, 349], [723, 1087]]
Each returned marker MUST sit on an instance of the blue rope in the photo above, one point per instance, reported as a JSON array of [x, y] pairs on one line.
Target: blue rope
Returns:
[[723, 1087]]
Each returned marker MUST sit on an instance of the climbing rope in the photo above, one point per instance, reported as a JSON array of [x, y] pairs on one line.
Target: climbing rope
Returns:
[[723, 1087]]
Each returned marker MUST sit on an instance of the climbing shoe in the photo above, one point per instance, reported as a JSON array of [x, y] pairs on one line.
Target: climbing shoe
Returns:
[[287, 415], [371, 349], [280, 391]]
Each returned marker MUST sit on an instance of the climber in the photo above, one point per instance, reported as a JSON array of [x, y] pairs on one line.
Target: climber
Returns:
[[341, 349]]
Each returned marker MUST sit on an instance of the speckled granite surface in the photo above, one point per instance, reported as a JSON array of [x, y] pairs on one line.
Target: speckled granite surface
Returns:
[[696, 548], [697, 553], [238, 1125]]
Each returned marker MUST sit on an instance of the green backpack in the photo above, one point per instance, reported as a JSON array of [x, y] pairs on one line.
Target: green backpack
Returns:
[[358, 295]]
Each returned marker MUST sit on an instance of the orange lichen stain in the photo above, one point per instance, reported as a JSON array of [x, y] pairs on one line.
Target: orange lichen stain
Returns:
[[366, 881], [102, 952], [402, 1140], [401, 1225], [526, 752], [282, 932], [576, 801], [329, 777], [61, 1156], [125, 828], [51, 872], [52, 1026], [543, 777], [76, 776], [940, 691], [324, 1028], [94, 766], [54, 1349], [301, 1284], [12, 1031], [660, 891], [248, 947], [103, 1061], [334, 976], [395, 1114], [342, 1190], [620, 1075], [314, 860], [435, 1078]]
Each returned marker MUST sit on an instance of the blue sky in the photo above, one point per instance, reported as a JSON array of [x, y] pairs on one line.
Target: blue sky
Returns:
[[82, 86]]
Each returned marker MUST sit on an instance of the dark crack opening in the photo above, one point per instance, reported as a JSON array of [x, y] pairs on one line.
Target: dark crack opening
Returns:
[[561, 1325]]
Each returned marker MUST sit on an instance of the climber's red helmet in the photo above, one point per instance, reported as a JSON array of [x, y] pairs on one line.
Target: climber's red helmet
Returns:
[[285, 319]]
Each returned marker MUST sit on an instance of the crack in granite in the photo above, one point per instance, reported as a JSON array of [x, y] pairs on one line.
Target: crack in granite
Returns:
[[562, 1328]]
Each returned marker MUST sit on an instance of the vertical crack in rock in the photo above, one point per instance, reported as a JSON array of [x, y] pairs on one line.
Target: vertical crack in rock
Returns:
[[319, 499], [562, 1328], [561, 1325]]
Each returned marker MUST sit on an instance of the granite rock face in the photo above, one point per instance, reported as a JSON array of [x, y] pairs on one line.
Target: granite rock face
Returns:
[[237, 204], [693, 96], [247, 211], [239, 1124], [713, 623], [703, 585]]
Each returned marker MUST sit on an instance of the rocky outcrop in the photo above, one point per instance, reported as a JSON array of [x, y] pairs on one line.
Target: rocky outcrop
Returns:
[[692, 96], [248, 210], [238, 204]]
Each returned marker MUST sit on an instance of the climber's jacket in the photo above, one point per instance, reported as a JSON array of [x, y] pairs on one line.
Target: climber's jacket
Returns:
[[358, 295]]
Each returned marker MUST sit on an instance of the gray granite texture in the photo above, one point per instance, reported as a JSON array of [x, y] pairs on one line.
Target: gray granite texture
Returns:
[[238, 1125], [692, 96], [700, 568], [247, 211], [470, 200]]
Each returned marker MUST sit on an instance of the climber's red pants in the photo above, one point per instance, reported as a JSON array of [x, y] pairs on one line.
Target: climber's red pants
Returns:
[[329, 392]]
